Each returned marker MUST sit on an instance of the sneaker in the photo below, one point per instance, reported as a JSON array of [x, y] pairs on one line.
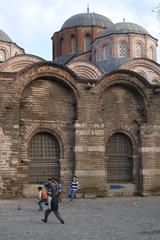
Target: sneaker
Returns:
[[44, 220]]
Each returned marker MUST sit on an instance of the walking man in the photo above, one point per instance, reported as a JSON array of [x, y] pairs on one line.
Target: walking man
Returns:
[[54, 202]]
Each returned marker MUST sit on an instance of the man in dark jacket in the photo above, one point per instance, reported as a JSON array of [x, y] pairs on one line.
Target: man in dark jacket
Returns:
[[53, 193]]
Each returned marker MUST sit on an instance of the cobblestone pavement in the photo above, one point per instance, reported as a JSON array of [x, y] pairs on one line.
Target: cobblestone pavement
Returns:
[[127, 218]]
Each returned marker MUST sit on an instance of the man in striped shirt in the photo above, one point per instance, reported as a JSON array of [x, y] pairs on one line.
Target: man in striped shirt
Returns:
[[73, 188]]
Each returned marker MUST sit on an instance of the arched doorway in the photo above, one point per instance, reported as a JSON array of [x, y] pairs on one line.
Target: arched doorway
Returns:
[[119, 159], [44, 156]]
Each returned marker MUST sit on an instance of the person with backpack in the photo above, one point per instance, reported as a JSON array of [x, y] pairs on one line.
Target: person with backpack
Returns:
[[43, 198], [53, 193]]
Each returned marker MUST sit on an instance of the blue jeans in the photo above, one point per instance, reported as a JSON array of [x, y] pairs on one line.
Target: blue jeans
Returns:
[[40, 203], [72, 193]]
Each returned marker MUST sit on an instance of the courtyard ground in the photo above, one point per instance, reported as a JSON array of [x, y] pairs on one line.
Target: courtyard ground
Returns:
[[127, 218]]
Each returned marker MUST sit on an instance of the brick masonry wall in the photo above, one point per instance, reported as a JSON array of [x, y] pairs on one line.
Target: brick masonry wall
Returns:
[[9, 138], [150, 149], [47, 97]]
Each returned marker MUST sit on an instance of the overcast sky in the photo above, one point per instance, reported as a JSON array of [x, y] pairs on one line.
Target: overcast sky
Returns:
[[31, 23]]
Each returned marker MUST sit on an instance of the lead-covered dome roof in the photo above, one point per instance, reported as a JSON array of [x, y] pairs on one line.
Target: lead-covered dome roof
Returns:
[[4, 37], [124, 27], [87, 19]]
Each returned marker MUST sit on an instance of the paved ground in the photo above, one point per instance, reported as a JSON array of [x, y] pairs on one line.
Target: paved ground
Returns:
[[134, 218]]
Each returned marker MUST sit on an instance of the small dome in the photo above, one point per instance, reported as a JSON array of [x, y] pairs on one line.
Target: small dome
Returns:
[[4, 37], [87, 19], [124, 27]]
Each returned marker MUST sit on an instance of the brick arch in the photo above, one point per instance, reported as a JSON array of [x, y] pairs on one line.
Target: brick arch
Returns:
[[151, 68], [129, 85], [18, 62], [130, 163], [125, 131], [140, 61], [85, 69], [37, 128], [125, 78], [48, 100], [3, 48], [44, 70]]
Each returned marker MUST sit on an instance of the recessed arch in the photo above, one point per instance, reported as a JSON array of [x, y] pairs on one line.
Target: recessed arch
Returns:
[[42, 92], [148, 66], [18, 62], [126, 78], [44, 157], [87, 42], [47, 70], [138, 50], [73, 44], [119, 151], [85, 69], [2, 55]]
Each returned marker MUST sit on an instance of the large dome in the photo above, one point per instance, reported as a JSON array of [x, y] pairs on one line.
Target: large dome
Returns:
[[124, 27], [4, 37], [87, 19]]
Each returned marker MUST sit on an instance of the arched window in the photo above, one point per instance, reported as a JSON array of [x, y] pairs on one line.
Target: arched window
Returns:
[[150, 52], [73, 45], [87, 42], [2, 55], [106, 53], [138, 50], [122, 50], [62, 46], [119, 158], [44, 155]]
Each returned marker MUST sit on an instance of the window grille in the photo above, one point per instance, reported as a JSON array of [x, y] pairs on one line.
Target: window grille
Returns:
[[44, 158], [122, 50], [119, 160], [138, 50]]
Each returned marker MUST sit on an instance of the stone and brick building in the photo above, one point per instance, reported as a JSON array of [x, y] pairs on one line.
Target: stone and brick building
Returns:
[[92, 112]]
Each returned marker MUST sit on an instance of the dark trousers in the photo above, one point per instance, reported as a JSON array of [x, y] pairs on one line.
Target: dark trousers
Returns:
[[54, 209], [56, 212]]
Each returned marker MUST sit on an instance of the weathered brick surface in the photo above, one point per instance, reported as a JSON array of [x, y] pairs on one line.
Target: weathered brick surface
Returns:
[[150, 156], [47, 97]]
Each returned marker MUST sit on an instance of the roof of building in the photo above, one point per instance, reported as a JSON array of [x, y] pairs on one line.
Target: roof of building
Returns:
[[87, 19], [124, 27], [4, 37]]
